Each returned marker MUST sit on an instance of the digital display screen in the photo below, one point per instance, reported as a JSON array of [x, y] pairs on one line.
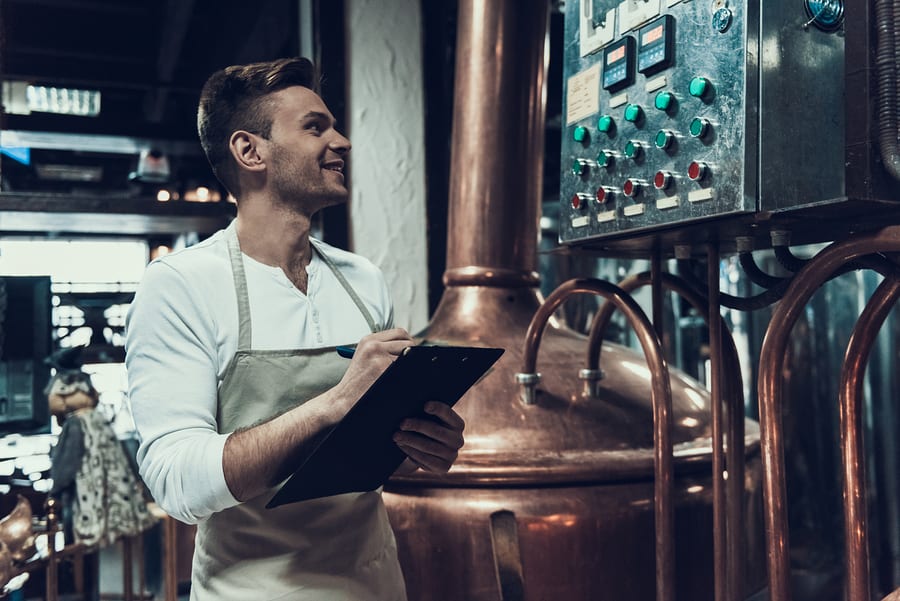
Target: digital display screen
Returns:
[[656, 50], [615, 55], [618, 59], [653, 35]]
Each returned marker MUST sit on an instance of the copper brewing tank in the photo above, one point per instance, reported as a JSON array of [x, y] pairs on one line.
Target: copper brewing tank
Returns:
[[552, 500]]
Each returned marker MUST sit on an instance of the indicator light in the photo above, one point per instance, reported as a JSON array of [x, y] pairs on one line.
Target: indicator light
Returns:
[[700, 87], [602, 195], [697, 170], [662, 180], [699, 127], [664, 139], [577, 202], [605, 124], [633, 150], [633, 113], [581, 134], [579, 167], [605, 159], [631, 187], [664, 101]]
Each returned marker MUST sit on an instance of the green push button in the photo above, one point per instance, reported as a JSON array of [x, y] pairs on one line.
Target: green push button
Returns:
[[664, 101], [580, 134], [605, 124], [578, 167], [632, 113], [632, 149], [663, 139], [604, 159], [699, 127], [700, 87]]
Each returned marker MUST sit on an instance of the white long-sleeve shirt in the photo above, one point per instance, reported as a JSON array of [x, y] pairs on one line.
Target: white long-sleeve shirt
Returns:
[[182, 330]]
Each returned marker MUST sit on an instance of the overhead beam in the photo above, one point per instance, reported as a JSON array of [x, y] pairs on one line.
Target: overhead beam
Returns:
[[174, 25]]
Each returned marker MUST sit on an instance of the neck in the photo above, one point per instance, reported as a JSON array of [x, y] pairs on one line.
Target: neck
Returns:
[[276, 237]]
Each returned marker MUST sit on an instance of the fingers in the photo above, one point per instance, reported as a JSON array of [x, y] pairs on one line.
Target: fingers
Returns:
[[391, 342], [432, 463], [388, 335], [446, 414], [433, 444]]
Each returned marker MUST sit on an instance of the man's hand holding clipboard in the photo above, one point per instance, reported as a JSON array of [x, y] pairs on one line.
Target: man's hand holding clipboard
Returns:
[[406, 412]]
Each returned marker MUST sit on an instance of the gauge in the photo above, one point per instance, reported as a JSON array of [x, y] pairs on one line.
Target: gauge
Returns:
[[827, 15]]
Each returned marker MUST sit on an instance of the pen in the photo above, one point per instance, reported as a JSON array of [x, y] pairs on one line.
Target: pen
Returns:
[[345, 351]]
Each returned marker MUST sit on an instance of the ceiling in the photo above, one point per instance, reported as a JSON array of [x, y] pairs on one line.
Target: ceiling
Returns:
[[148, 59]]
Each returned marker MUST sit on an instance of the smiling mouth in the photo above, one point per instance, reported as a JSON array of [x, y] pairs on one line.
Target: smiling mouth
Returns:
[[338, 168]]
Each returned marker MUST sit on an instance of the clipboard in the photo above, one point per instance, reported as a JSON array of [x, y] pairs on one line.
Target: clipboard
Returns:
[[359, 454]]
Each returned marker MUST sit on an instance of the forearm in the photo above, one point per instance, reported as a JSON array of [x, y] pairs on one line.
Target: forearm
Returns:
[[257, 458]]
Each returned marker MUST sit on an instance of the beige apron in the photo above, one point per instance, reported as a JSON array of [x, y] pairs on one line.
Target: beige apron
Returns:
[[338, 548]]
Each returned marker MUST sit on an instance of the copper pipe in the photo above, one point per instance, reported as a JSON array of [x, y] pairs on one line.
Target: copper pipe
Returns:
[[771, 384], [733, 550], [497, 143], [656, 292], [855, 520], [735, 458], [661, 401]]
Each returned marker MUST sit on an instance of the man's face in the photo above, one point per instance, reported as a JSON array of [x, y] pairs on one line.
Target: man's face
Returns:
[[306, 156]]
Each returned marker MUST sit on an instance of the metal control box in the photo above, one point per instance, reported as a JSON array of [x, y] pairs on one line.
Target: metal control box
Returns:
[[730, 112]]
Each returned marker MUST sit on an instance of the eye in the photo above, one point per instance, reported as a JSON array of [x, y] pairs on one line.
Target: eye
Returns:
[[314, 127]]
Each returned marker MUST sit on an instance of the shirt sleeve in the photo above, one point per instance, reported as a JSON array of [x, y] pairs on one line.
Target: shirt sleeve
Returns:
[[171, 362]]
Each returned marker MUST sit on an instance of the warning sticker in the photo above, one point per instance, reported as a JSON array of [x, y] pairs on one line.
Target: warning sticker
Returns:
[[583, 98]]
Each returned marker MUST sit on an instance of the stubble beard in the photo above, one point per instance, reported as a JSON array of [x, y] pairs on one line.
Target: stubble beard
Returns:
[[304, 195]]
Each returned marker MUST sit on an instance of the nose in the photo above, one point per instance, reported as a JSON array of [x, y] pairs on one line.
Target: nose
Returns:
[[339, 143]]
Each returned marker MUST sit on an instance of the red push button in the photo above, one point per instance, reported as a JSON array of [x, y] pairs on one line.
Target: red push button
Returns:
[[631, 188], [603, 195], [662, 180], [697, 170], [577, 201]]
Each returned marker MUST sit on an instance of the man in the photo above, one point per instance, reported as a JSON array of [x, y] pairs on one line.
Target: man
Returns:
[[233, 376]]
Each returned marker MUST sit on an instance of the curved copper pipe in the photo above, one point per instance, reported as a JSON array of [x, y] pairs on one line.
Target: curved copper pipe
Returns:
[[771, 384], [661, 402], [728, 556], [855, 360]]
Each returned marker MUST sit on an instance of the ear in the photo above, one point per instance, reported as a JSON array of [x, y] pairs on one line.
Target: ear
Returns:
[[244, 147]]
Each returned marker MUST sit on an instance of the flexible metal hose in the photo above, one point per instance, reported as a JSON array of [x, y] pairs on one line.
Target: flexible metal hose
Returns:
[[887, 15]]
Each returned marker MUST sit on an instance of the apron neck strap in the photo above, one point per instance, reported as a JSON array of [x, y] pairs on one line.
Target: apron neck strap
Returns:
[[245, 332], [356, 300]]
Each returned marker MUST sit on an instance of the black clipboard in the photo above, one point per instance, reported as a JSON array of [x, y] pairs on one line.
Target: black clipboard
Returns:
[[359, 453]]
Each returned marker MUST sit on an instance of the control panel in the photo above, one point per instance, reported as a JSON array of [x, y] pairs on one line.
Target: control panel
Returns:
[[655, 115], [678, 112]]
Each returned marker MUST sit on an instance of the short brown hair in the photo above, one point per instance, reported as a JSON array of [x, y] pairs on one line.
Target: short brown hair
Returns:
[[234, 98]]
